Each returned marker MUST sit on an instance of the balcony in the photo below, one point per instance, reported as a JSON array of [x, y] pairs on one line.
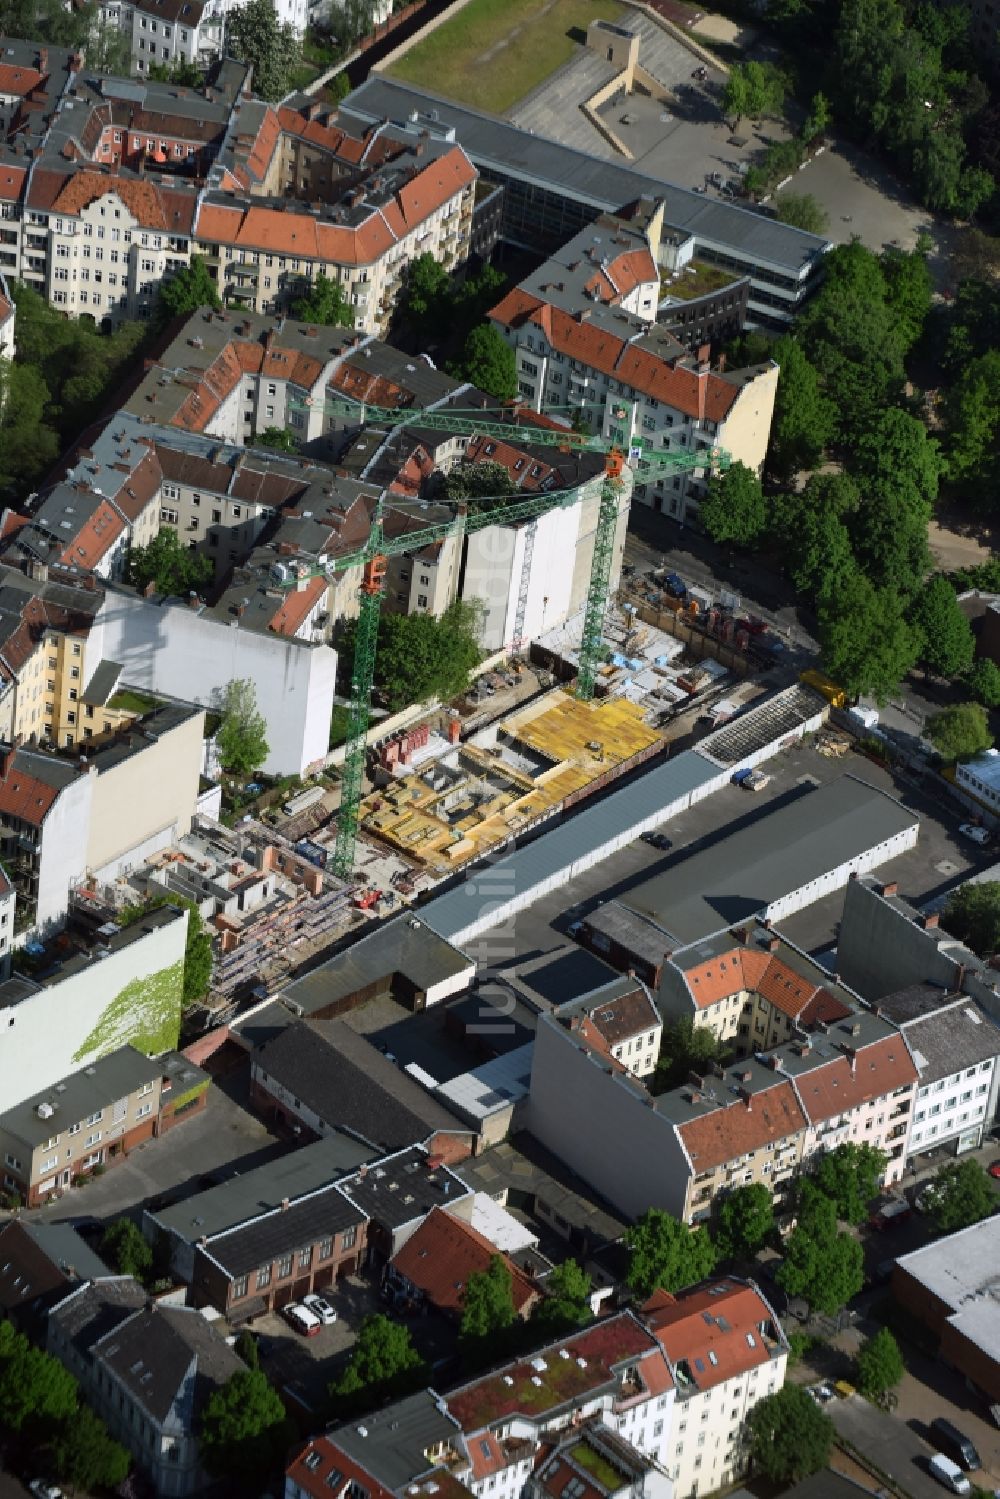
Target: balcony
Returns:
[[901, 1111]]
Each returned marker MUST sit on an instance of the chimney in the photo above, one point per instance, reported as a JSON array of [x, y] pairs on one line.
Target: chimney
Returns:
[[747, 1098], [889, 888], [722, 363], [930, 921], [149, 592], [284, 1204], [775, 1063], [741, 935], [7, 763], [695, 1079], [773, 943], [194, 602]]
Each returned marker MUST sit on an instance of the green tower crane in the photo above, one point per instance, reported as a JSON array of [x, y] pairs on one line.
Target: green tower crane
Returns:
[[373, 557]]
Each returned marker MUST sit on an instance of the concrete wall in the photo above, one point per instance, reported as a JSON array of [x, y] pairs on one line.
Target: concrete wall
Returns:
[[843, 874], [166, 647], [882, 949], [147, 800], [132, 995], [747, 428], [583, 1112], [63, 852]]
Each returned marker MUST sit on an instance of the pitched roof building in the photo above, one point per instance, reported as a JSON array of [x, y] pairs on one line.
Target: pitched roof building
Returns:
[[434, 1265]]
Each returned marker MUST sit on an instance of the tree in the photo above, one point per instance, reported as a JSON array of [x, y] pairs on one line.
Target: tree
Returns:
[[804, 418], [81, 1452], [817, 121], [959, 732], [383, 1362], [28, 443], [242, 735], [488, 362], [182, 74], [850, 1175], [802, 211], [879, 1364], [867, 645], [324, 303], [972, 914], [821, 1264], [753, 88], [733, 509], [665, 1254], [244, 1430], [811, 528], [948, 643], [420, 657], [108, 49], [124, 1247], [972, 418], [477, 481], [246, 1348], [278, 438], [487, 1303], [909, 288], [684, 1048], [566, 1304], [790, 1437], [425, 295], [256, 36], [896, 444], [35, 1388], [962, 1194], [745, 1219], [171, 566], [192, 287], [984, 682]]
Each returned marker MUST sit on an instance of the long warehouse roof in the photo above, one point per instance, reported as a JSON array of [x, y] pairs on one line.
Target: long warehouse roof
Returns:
[[589, 179]]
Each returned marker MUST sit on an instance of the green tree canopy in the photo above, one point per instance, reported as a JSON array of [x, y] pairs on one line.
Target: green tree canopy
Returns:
[[909, 288], [866, 643], [948, 642], [817, 121], [745, 1219], [962, 1194], [811, 528], [35, 1389], [244, 1430], [256, 36], [790, 1437], [733, 508], [959, 732], [879, 1364], [123, 1246], [821, 1264], [804, 419], [488, 361], [426, 293], [29, 444], [324, 303], [802, 211], [850, 1176], [984, 682], [197, 944], [476, 481], [278, 438], [383, 1363], [190, 288], [182, 73], [972, 914], [972, 418], [81, 1452], [487, 1303], [246, 1348], [755, 89], [171, 566], [566, 1304], [685, 1048], [665, 1254], [242, 735], [420, 657]]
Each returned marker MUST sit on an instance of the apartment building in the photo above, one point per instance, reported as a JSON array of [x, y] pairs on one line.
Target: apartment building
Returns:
[[956, 1049], [91, 1118], [486, 1437], [758, 1120], [163, 32], [595, 1461], [147, 1369], [637, 384], [620, 1019], [8, 316], [44, 626], [727, 1352]]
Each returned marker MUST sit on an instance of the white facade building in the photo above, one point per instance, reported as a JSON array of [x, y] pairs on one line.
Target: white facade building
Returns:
[[956, 1048]]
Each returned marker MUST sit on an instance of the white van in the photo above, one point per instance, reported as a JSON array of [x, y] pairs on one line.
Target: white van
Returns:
[[950, 1474]]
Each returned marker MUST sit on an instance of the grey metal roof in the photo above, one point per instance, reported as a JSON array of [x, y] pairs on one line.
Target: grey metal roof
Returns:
[[391, 1444], [768, 858], [79, 1095], [284, 1230], [61, 1243], [533, 1178], [169, 1358], [951, 1039], [556, 850], [243, 1197], [90, 1311], [491, 142], [403, 1187], [960, 1266], [102, 684], [401, 946]]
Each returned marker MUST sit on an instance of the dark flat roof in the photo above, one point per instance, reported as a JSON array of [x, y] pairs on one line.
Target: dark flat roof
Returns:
[[405, 946], [283, 1230], [402, 1187]]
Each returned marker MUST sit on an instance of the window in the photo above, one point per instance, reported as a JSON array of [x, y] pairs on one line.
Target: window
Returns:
[[144, 1108], [263, 1277], [349, 1238], [284, 1266], [93, 1139], [239, 1287], [50, 1164], [421, 601], [12, 1162], [325, 1249], [305, 1258], [95, 1118]]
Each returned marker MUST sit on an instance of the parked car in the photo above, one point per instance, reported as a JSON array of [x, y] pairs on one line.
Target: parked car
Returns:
[[994, 1169], [43, 1490], [975, 834], [950, 1474], [924, 1200], [302, 1319], [955, 1444], [890, 1215], [656, 840], [320, 1308]]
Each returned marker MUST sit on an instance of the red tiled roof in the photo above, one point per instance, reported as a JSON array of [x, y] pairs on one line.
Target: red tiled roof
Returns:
[[295, 607], [758, 972], [153, 206], [688, 1327], [11, 182], [22, 795], [844, 1084], [706, 396], [440, 1257], [525, 472], [745, 1125], [311, 1477], [18, 82], [620, 277], [95, 538]]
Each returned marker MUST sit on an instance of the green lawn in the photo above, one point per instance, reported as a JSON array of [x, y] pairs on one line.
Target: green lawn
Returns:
[[494, 52], [128, 701], [703, 279]]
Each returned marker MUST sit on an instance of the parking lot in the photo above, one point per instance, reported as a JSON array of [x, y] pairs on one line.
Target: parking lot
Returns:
[[533, 947]]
